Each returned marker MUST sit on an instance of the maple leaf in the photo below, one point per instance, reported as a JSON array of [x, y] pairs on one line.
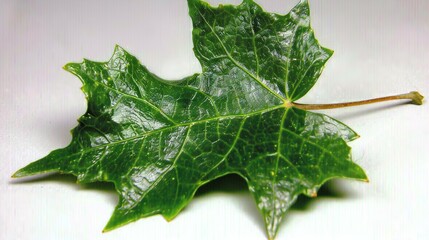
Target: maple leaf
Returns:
[[158, 141]]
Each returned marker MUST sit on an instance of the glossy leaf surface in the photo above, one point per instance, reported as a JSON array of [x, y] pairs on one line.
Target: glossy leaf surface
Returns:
[[158, 141]]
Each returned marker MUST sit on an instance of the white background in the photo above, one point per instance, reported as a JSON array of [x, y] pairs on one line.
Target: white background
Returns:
[[381, 48]]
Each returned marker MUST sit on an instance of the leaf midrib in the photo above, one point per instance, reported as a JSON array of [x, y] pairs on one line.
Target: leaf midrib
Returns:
[[186, 124]]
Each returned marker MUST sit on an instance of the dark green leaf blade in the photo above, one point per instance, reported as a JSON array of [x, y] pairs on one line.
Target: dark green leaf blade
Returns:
[[279, 52], [158, 141]]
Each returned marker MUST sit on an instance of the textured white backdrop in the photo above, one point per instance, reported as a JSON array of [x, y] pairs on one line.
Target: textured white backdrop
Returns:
[[381, 48]]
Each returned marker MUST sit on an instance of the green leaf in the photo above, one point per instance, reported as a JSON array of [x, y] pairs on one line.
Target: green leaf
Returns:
[[158, 141]]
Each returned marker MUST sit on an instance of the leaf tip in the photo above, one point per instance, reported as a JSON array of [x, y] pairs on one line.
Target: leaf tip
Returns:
[[71, 67], [66, 67], [362, 176], [271, 225], [168, 218], [118, 49], [107, 228], [271, 236], [328, 51], [18, 174], [117, 220]]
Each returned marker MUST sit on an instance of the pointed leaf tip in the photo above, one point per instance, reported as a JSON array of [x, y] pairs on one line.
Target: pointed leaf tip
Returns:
[[118, 50], [15, 175], [71, 67], [21, 173], [272, 233]]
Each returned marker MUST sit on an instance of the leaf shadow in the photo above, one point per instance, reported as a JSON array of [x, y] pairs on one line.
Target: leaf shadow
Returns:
[[71, 181], [228, 183], [331, 190], [236, 185], [233, 183]]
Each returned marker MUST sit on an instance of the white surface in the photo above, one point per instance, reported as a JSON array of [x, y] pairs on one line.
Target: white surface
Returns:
[[381, 48]]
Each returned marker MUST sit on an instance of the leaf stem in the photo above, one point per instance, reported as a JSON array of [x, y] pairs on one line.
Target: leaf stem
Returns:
[[415, 98]]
